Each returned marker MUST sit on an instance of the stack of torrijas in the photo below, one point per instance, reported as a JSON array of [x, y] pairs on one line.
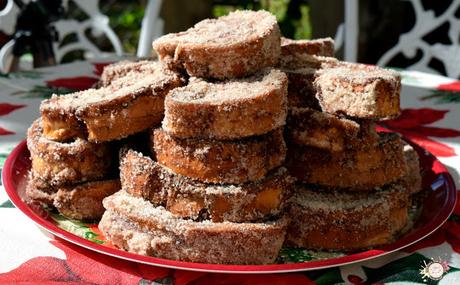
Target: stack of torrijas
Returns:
[[353, 184], [74, 160], [205, 179], [216, 192]]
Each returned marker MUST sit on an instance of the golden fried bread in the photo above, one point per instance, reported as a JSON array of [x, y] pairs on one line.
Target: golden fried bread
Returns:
[[309, 127], [214, 161], [142, 177], [359, 90], [353, 170], [128, 105], [115, 71], [413, 178], [227, 110], [321, 47], [81, 201], [346, 221], [135, 225], [67, 163], [236, 45]]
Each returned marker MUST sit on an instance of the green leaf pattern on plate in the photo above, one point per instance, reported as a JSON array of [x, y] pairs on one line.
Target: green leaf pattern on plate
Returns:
[[78, 228]]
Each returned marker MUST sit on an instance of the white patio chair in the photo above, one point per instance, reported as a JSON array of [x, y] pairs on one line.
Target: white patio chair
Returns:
[[97, 23]]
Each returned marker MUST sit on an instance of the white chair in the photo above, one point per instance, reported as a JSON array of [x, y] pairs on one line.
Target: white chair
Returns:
[[426, 22], [97, 23]]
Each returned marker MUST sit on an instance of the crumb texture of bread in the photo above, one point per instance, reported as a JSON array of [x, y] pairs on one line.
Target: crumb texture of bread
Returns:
[[359, 90], [229, 109], [232, 46], [352, 170], [213, 161], [61, 163], [186, 198], [128, 105], [117, 70], [137, 226], [346, 221], [309, 127]]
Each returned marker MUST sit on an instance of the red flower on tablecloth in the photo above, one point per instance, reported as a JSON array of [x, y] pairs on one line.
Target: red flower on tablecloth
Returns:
[[74, 83], [413, 125], [88, 267], [99, 67], [81, 266], [445, 93], [5, 109]]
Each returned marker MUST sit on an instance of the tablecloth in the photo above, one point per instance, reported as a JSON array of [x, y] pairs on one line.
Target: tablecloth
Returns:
[[430, 117]]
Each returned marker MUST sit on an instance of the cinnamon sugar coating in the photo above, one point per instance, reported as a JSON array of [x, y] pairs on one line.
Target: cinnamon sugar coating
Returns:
[[117, 70], [309, 127], [232, 46], [214, 161], [227, 110], [359, 90], [346, 221], [67, 163], [321, 47], [135, 225], [128, 105], [352, 170], [413, 179], [189, 199]]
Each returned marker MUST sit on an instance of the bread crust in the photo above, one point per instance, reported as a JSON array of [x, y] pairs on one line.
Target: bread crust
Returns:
[[227, 110], [128, 105], [231, 46], [320, 47], [214, 161], [67, 163], [346, 221], [185, 198], [353, 170], [82, 201], [309, 127], [137, 226], [359, 90]]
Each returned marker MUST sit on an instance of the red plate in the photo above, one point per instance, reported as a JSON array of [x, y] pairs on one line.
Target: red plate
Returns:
[[437, 207]]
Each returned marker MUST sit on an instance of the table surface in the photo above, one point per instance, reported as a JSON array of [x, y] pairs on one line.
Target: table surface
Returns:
[[430, 117]]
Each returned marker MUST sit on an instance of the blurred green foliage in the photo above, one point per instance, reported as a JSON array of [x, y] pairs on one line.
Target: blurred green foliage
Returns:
[[125, 19], [293, 15]]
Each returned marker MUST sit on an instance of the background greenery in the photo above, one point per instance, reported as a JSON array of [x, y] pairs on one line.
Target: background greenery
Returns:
[[126, 16]]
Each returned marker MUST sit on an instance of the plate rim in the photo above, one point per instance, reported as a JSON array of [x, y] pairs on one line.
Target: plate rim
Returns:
[[424, 231]]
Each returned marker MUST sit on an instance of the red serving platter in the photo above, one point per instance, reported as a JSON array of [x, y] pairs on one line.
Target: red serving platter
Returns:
[[437, 206]]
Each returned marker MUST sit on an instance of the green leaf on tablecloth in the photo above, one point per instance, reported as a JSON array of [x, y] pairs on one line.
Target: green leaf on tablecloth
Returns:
[[43, 92], [454, 218], [443, 96], [33, 74], [403, 269], [7, 204], [326, 276], [294, 255], [78, 228], [3, 157]]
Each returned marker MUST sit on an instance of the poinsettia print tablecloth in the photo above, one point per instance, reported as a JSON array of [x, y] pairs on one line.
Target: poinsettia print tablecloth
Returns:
[[430, 117]]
